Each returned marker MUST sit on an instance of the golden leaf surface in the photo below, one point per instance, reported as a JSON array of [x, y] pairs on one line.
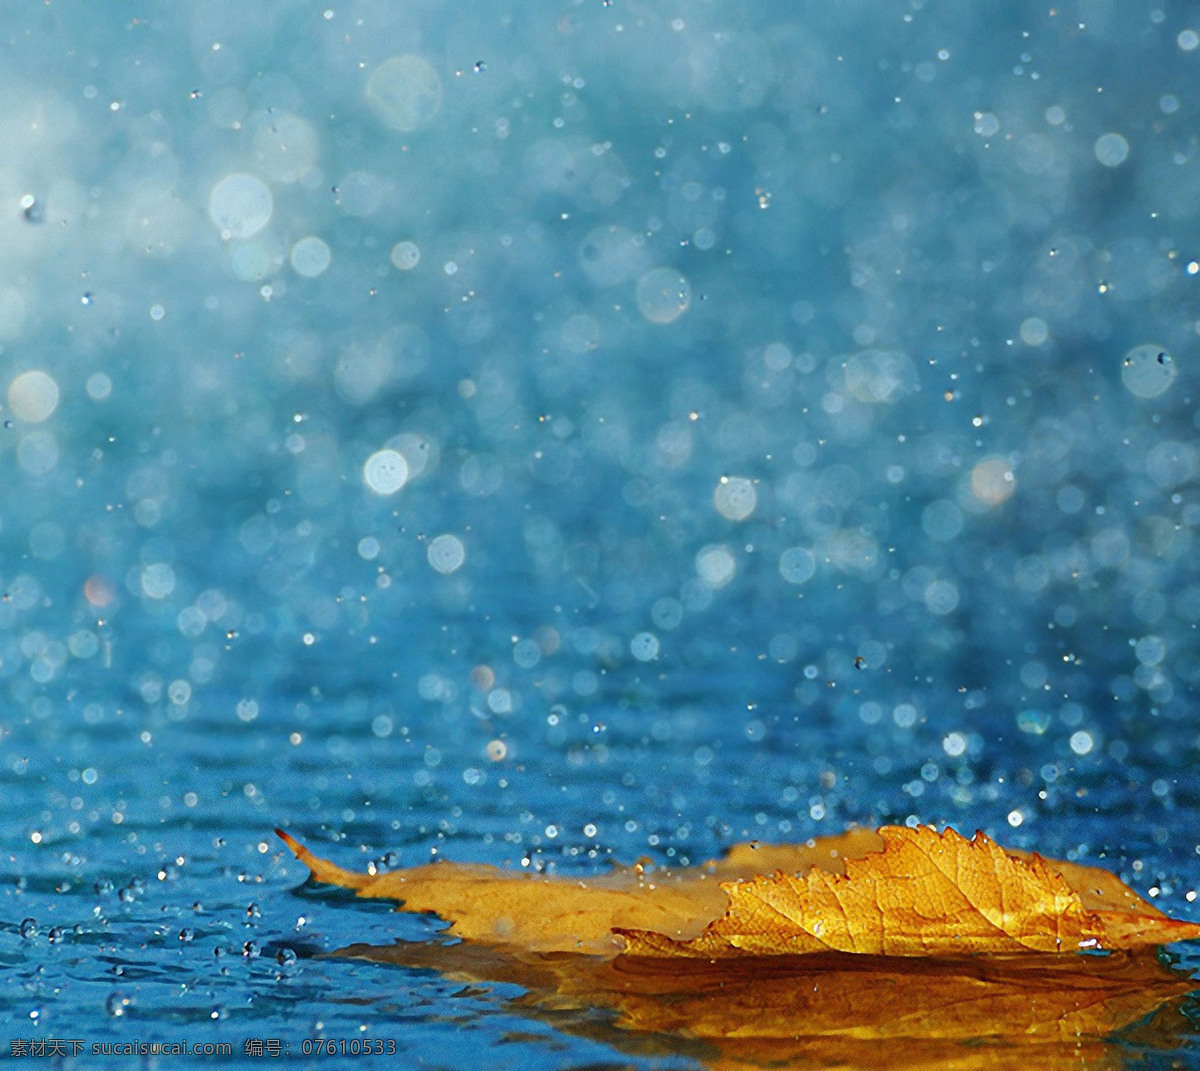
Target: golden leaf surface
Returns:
[[947, 951], [927, 893], [892, 892], [538, 912]]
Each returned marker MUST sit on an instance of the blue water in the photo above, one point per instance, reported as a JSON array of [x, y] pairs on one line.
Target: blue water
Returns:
[[562, 432]]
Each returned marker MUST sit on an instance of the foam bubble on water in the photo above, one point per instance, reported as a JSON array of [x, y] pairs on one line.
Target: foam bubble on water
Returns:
[[385, 472], [240, 205], [1148, 370], [1112, 150], [33, 396], [446, 554], [663, 295], [310, 257], [404, 92], [735, 497], [406, 255]]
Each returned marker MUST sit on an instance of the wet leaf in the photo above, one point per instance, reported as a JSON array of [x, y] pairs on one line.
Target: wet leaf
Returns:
[[953, 952], [538, 912], [894, 892], [927, 893]]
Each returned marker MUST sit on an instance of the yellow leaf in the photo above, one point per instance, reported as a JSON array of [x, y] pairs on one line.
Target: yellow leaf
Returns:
[[926, 894], [897, 891], [948, 951], [538, 912]]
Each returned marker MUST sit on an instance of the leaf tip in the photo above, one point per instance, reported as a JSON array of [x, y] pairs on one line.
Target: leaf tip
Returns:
[[295, 846], [322, 869]]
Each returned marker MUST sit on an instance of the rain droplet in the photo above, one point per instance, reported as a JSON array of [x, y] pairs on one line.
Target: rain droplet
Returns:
[[117, 1004], [1148, 371]]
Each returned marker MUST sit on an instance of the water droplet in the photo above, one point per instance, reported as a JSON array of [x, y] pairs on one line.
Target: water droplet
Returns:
[[117, 1004], [28, 928], [446, 553], [663, 295], [310, 257], [1148, 371], [406, 255], [240, 205], [404, 92]]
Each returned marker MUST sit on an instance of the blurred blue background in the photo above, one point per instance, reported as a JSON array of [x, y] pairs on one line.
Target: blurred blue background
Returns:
[[547, 432]]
